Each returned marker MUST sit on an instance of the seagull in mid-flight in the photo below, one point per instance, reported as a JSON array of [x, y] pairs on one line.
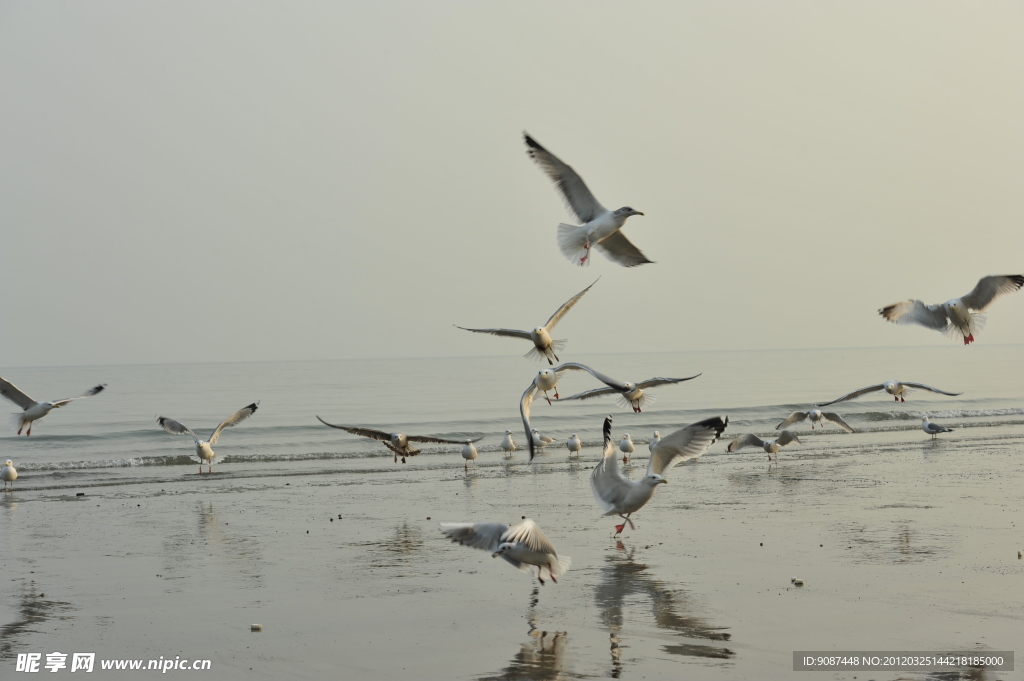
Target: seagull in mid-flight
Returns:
[[601, 227], [816, 416], [895, 388], [618, 495], [770, 446], [521, 545], [398, 443], [933, 429], [629, 393], [32, 410], [543, 346], [959, 315], [204, 448]]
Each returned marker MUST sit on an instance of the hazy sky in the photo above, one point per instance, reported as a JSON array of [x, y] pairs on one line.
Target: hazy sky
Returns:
[[207, 181]]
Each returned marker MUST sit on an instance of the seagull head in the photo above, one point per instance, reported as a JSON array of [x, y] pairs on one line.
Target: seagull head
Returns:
[[890, 387], [626, 212], [654, 480], [508, 432], [502, 548], [8, 463]]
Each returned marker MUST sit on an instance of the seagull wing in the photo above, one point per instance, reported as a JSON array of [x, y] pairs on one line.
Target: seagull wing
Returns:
[[835, 418], [513, 333], [233, 420], [916, 312], [609, 485], [574, 191], [525, 402], [587, 394], [795, 417], [364, 432], [528, 533], [652, 382], [689, 443], [428, 438], [11, 392], [990, 288], [560, 312], [175, 427], [855, 394], [786, 437], [485, 536], [621, 250], [928, 387], [96, 390], [748, 440]]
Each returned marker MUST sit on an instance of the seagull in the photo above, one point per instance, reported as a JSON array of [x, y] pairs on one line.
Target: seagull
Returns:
[[816, 416], [927, 426], [770, 446], [574, 445], [626, 447], [33, 410], [521, 545], [543, 346], [895, 388], [601, 227], [538, 441], [957, 315], [654, 441], [618, 495], [629, 393], [8, 474], [469, 453], [204, 450], [508, 445], [544, 381], [398, 443]]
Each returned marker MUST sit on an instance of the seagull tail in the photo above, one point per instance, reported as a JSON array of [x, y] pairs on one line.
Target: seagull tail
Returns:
[[571, 241], [562, 567], [976, 323]]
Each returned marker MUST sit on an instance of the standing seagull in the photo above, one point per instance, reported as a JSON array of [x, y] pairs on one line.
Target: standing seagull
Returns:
[[543, 346], [521, 545], [927, 426], [508, 445], [204, 449], [770, 446], [629, 393], [398, 443], [654, 441], [8, 474], [601, 227], [469, 453], [574, 445], [816, 416], [895, 388], [618, 495], [626, 447], [957, 315], [33, 410], [538, 441]]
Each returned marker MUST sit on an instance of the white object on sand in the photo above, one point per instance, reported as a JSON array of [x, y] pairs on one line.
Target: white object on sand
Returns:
[[933, 429], [469, 453], [574, 444], [8, 474], [508, 445], [521, 545], [654, 441], [398, 443], [816, 416], [895, 388], [626, 447], [204, 448], [32, 410]]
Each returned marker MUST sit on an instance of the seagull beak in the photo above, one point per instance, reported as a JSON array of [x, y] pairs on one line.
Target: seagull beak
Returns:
[[663, 481], [637, 213], [494, 555]]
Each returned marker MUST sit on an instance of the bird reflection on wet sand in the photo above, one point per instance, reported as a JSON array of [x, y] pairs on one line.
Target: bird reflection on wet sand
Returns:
[[622, 580], [540, 658]]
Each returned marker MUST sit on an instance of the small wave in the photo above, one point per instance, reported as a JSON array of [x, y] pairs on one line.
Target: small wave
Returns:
[[941, 414]]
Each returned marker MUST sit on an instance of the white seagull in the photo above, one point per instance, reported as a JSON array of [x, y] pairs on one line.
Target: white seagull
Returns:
[[895, 388], [574, 445], [398, 443], [618, 495], [601, 227], [508, 445], [629, 393], [816, 416], [654, 441], [770, 446], [959, 315], [469, 453], [33, 410], [538, 441], [543, 346], [626, 447], [545, 380], [8, 474], [521, 545], [927, 426], [204, 451]]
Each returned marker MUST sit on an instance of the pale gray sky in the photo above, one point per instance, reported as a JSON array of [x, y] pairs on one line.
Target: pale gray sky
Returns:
[[206, 181]]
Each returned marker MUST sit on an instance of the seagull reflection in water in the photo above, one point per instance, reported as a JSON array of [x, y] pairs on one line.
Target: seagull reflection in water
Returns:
[[539, 659]]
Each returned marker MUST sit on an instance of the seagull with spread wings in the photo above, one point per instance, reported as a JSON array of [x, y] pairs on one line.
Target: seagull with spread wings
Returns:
[[601, 227], [398, 443], [521, 545], [618, 495], [770, 446], [895, 388], [629, 393], [816, 416], [204, 448], [543, 346], [32, 410], [959, 315]]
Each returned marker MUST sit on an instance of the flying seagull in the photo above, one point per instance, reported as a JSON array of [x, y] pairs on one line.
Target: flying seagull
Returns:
[[618, 495], [8, 474], [959, 315], [816, 416], [33, 411], [770, 446], [629, 393], [895, 388], [204, 451], [398, 443], [545, 380], [521, 545], [927, 426], [543, 346], [601, 227]]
